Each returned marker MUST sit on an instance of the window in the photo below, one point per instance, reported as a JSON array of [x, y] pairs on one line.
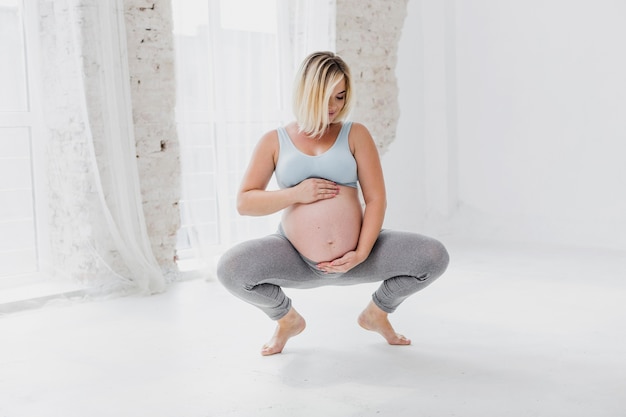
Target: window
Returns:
[[19, 137], [229, 94]]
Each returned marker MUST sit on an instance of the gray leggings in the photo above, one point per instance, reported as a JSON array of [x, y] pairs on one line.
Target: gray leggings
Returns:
[[256, 270]]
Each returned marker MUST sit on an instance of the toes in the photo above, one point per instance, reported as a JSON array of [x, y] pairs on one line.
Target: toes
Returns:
[[267, 350], [402, 340]]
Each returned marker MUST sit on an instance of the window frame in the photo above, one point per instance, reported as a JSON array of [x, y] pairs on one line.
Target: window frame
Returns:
[[31, 118]]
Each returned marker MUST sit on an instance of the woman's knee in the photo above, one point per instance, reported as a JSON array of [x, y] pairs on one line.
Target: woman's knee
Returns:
[[247, 262], [439, 258], [231, 267], [430, 258], [225, 267]]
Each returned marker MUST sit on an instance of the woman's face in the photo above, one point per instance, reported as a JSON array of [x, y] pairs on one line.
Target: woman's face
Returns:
[[337, 100]]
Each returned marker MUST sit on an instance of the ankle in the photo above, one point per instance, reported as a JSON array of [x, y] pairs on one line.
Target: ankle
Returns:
[[373, 310]]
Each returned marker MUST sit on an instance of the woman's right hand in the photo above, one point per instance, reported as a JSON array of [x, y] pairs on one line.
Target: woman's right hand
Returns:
[[314, 189]]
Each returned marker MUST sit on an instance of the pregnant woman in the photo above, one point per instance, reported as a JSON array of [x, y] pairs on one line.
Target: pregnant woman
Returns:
[[326, 236]]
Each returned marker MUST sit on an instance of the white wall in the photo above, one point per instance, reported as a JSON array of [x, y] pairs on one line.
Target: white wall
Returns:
[[402, 158], [527, 102], [419, 165]]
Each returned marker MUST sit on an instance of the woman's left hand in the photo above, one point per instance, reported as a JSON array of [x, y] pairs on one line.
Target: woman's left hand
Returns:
[[343, 264]]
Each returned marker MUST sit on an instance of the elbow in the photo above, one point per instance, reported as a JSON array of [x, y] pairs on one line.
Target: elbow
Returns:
[[248, 205], [242, 207], [244, 211], [245, 207], [378, 204], [380, 201]]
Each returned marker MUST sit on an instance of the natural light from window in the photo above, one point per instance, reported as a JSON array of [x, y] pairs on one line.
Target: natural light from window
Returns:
[[260, 16], [18, 138], [227, 96]]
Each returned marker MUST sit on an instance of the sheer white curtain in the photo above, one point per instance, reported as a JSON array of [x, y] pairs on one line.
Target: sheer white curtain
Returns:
[[235, 65], [96, 216]]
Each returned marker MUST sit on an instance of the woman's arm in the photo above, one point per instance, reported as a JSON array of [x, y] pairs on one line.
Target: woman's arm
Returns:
[[253, 199], [372, 182]]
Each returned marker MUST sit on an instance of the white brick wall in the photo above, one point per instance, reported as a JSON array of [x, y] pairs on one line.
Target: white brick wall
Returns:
[[368, 32], [153, 88]]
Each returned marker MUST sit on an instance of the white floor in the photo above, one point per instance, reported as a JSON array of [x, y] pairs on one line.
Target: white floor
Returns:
[[510, 330]]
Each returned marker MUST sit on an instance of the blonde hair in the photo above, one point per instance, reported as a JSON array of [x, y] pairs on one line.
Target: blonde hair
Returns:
[[317, 77]]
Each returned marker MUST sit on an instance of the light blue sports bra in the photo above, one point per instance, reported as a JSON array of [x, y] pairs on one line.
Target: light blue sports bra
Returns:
[[336, 164]]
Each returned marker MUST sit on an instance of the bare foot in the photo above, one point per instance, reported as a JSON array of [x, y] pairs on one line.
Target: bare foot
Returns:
[[290, 325], [375, 319]]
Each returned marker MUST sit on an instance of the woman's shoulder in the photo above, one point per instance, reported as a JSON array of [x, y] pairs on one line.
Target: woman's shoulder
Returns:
[[269, 136], [358, 133], [357, 128], [268, 142]]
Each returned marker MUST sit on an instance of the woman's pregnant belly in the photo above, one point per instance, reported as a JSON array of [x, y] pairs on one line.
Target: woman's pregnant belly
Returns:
[[326, 229]]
